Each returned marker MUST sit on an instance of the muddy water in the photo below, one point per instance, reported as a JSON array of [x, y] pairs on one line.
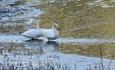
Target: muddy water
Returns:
[[86, 43]]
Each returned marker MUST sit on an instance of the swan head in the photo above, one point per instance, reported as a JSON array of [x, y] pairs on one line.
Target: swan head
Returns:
[[55, 25]]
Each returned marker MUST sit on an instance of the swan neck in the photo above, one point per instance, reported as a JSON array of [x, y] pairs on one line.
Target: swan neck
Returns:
[[55, 30]]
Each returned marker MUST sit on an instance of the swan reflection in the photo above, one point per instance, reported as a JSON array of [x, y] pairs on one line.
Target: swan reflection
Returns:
[[41, 46]]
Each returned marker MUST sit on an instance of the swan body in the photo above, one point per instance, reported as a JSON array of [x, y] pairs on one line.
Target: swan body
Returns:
[[49, 34], [33, 33]]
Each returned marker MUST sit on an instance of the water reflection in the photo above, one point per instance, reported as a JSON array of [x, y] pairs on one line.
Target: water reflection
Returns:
[[41, 46], [49, 50]]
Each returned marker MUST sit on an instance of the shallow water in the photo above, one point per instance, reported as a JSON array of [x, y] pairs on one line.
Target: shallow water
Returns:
[[87, 35], [36, 51], [40, 53]]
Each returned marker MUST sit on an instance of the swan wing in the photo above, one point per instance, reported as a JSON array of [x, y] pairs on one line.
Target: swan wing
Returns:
[[33, 33]]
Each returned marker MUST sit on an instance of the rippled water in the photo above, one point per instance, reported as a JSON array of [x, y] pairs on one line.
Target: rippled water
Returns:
[[86, 41]]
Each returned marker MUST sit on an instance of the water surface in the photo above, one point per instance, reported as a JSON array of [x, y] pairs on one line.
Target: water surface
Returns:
[[87, 35]]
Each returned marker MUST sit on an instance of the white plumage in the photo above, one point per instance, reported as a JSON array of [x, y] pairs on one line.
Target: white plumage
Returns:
[[50, 34], [33, 33]]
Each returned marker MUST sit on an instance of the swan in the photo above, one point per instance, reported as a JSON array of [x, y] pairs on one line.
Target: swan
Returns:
[[40, 33]]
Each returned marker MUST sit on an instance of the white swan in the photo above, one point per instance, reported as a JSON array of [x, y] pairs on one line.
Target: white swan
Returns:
[[49, 34]]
